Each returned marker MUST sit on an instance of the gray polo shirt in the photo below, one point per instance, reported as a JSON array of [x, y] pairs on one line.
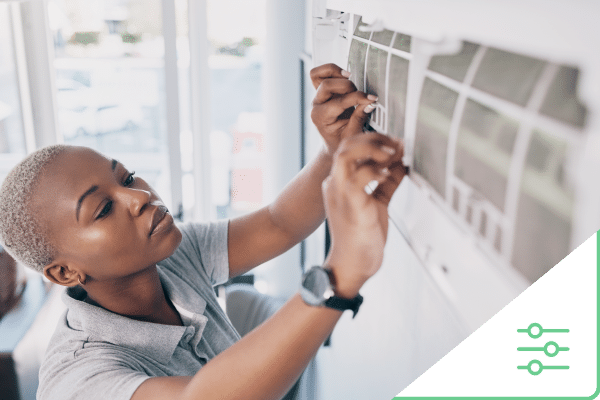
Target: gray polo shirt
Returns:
[[97, 354]]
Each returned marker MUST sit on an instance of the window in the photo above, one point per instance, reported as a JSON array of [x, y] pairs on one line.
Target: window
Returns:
[[109, 61], [12, 131], [238, 123]]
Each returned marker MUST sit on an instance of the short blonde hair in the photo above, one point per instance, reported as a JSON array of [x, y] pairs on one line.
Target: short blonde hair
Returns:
[[21, 235]]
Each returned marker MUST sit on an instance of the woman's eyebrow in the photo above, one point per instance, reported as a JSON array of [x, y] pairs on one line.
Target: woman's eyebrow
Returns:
[[83, 196], [91, 190]]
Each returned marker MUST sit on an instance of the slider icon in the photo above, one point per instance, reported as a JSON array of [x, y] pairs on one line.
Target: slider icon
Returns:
[[550, 349]]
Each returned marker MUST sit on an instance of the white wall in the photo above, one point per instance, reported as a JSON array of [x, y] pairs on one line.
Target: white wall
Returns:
[[403, 327]]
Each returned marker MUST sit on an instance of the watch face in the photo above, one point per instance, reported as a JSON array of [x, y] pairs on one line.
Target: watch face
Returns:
[[315, 286]]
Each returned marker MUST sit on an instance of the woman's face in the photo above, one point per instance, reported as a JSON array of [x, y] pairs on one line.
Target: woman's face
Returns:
[[100, 217]]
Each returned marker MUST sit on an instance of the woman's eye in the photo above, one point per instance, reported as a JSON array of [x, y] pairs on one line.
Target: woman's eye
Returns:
[[130, 179], [105, 210]]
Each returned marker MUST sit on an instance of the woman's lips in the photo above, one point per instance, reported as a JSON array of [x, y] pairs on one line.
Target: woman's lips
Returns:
[[160, 218]]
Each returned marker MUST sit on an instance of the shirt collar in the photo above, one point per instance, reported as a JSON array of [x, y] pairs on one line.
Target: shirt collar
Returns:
[[157, 341]]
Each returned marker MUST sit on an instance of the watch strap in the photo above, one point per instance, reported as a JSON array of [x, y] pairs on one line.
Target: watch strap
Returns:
[[341, 304]]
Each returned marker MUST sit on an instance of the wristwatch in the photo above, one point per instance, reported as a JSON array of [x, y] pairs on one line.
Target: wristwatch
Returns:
[[318, 288]]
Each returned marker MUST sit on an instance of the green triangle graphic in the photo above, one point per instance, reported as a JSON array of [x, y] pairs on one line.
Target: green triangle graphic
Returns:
[[485, 364]]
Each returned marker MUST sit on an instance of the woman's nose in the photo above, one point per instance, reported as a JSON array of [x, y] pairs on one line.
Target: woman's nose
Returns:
[[138, 200]]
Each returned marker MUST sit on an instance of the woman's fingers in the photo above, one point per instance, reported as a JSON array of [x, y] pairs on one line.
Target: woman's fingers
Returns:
[[368, 173], [338, 109], [363, 152], [341, 115], [357, 121], [335, 107], [355, 99], [387, 187], [318, 74], [341, 94], [331, 87]]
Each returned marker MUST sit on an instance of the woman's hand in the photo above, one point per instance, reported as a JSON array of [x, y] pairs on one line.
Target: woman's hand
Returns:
[[334, 113], [359, 221]]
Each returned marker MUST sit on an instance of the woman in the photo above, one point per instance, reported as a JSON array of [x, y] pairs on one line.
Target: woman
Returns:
[[142, 319]]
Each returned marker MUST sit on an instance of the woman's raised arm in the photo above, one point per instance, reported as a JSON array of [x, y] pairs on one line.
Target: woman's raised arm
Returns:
[[265, 363], [298, 210]]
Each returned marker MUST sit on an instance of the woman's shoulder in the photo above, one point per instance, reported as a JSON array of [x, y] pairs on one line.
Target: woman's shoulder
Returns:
[[195, 233], [203, 250], [81, 363], [74, 369]]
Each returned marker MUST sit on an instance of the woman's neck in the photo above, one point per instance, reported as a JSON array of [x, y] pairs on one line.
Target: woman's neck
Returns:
[[140, 296]]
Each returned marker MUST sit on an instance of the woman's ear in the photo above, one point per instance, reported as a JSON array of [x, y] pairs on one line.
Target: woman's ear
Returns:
[[62, 274]]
